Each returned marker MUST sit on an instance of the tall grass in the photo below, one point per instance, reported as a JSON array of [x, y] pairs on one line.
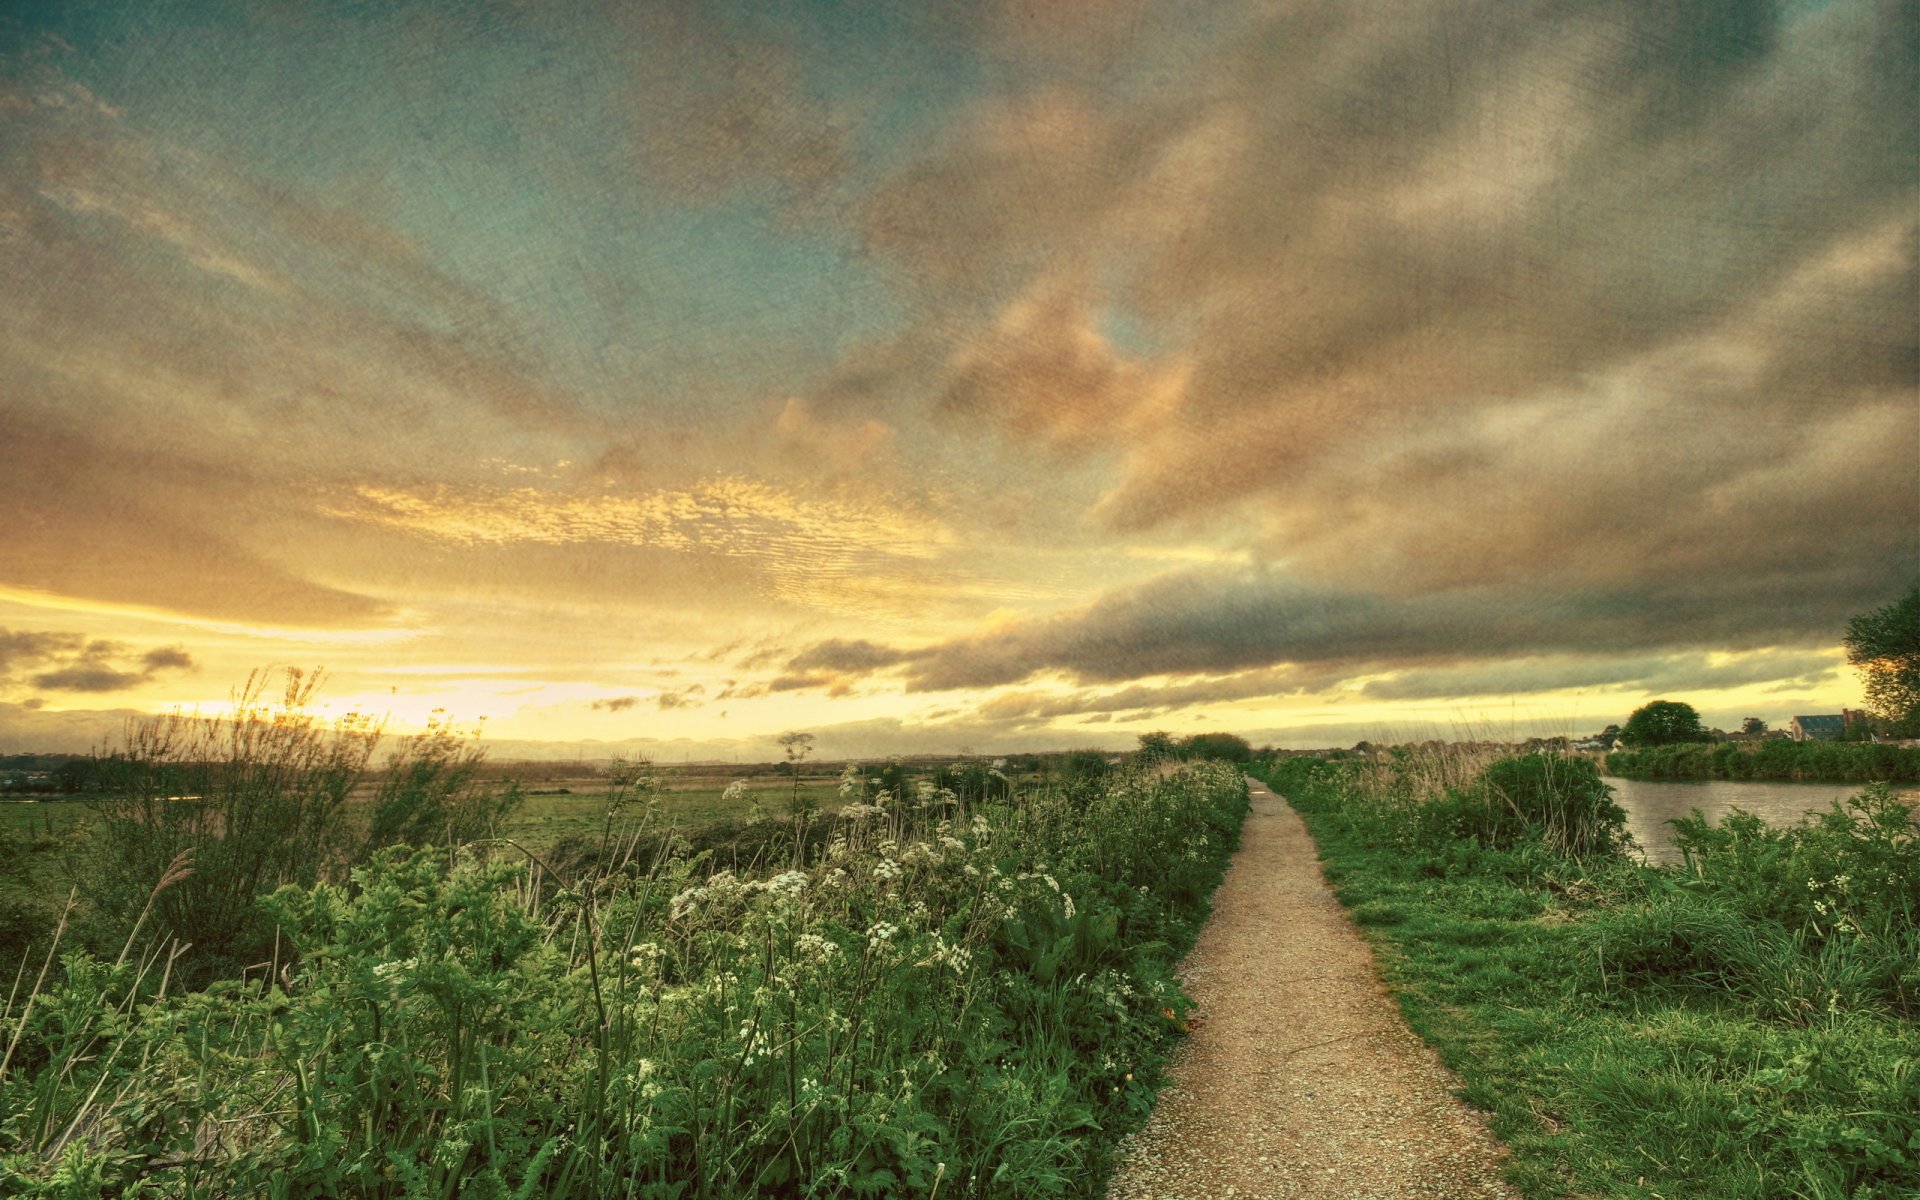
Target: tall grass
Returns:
[[945, 998], [1435, 792]]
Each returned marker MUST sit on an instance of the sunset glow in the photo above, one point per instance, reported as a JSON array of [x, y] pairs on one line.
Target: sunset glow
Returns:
[[665, 377]]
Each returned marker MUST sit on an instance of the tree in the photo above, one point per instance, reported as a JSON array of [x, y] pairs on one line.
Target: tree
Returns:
[[1752, 725], [1157, 746], [1230, 747], [1662, 723], [1884, 646]]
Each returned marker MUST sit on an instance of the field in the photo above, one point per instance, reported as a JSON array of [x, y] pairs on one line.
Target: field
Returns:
[[556, 805]]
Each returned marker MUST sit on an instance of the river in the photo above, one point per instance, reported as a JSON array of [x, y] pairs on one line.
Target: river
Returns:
[[1650, 804]]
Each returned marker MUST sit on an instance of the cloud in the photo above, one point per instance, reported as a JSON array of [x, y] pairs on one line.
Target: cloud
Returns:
[[615, 704], [719, 112], [1144, 701], [1219, 621], [70, 662], [855, 656], [1447, 297], [1661, 673]]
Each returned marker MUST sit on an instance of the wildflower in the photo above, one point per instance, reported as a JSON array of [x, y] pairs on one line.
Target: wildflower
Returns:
[[787, 883], [387, 970], [880, 934], [886, 869], [815, 948], [736, 791]]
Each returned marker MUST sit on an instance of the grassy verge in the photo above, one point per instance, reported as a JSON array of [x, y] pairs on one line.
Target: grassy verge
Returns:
[[947, 998], [1740, 1027]]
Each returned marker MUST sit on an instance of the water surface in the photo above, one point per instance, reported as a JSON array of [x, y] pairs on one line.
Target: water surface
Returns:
[[1650, 804]]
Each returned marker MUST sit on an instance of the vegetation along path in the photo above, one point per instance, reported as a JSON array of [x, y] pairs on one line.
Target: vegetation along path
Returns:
[[1300, 1078]]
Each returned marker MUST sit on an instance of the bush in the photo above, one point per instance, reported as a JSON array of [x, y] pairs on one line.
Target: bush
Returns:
[[1559, 801], [228, 809]]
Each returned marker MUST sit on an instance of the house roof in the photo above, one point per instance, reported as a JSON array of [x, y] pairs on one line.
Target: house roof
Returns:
[[1822, 723]]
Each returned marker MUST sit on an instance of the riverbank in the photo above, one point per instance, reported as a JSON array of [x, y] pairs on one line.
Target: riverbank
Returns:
[[1810, 762], [1717, 1032]]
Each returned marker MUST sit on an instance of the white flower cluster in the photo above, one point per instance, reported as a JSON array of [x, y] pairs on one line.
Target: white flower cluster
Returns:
[[645, 956], [814, 948], [787, 883], [879, 934], [387, 970], [956, 957], [886, 870]]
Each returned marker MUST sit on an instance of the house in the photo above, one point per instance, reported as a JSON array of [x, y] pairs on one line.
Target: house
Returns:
[[1819, 728]]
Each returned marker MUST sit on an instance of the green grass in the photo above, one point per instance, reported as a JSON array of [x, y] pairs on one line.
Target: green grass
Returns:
[[39, 818], [1638, 1032]]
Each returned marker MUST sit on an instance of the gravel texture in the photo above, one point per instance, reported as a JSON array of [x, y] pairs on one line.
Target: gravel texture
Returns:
[[1300, 1077]]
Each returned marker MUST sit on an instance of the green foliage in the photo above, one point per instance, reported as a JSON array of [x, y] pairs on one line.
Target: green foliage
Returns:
[[1157, 746], [225, 810], [1226, 747], [970, 1000], [1559, 801], [1741, 1027], [1430, 797], [431, 793], [1662, 723], [1834, 762], [1884, 646]]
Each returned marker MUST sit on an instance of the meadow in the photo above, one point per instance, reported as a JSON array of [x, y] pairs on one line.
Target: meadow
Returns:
[[890, 986], [1744, 1025]]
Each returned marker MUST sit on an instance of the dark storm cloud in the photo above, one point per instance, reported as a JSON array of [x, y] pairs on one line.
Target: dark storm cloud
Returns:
[[1668, 673], [1447, 299], [1223, 622], [68, 662], [858, 656]]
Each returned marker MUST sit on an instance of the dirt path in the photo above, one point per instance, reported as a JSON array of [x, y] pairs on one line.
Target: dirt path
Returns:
[[1301, 1079]]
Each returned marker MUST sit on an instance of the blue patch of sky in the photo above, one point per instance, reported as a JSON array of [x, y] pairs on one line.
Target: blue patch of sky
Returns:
[[500, 147]]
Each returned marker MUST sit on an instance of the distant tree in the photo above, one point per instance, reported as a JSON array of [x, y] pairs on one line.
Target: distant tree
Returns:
[[1752, 725], [1884, 646], [1662, 723], [1230, 747], [1157, 746]]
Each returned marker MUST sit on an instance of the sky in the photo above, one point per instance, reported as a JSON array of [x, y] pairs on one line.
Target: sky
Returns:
[[947, 376]]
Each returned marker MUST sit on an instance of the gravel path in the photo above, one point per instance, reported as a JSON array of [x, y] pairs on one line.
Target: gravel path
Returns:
[[1300, 1078]]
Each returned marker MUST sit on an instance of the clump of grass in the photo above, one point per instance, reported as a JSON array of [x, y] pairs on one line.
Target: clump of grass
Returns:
[[1433, 793]]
